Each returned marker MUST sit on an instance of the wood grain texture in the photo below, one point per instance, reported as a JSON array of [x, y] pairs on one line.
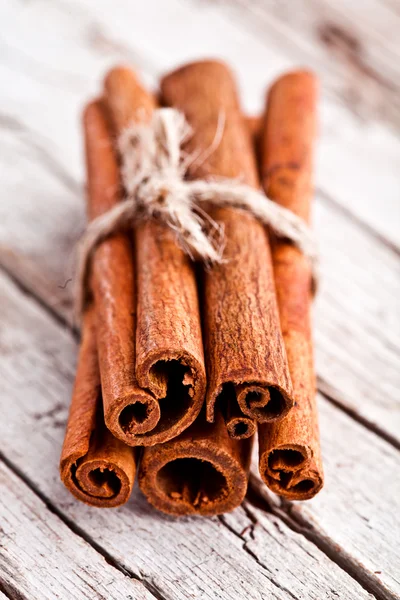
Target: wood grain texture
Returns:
[[179, 558], [257, 528], [47, 149], [365, 502], [354, 47], [365, 499], [359, 92], [41, 558], [89, 39], [41, 216]]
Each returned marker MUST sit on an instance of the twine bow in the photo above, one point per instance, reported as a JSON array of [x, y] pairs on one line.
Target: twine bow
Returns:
[[153, 170]]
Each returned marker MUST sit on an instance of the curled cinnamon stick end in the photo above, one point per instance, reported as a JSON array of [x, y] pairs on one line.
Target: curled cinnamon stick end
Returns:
[[289, 451], [291, 471], [96, 467], [169, 349], [239, 425], [129, 411], [203, 471], [244, 344]]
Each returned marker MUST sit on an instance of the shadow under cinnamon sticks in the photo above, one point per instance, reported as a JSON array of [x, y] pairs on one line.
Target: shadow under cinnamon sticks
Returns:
[[151, 358], [203, 471], [248, 375], [289, 451], [95, 466]]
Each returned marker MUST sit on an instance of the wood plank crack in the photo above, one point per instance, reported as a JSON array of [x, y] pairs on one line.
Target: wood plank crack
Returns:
[[27, 291], [332, 396], [152, 589], [259, 498], [250, 531], [339, 207], [283, 512], [10, 591]]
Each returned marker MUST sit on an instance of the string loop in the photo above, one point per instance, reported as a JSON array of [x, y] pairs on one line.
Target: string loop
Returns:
[[153, 169]]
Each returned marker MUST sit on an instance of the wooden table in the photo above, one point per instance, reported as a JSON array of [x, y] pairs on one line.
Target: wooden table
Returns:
[[345, 542]]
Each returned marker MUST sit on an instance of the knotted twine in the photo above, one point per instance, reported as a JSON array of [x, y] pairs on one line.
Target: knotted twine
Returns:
[[153, 169]]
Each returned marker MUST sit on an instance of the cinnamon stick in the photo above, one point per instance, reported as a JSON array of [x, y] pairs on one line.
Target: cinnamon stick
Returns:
[[244, 346], [112, 285], [95, 466], [254, 126], [289, 451], [169, 348], [203, 471]]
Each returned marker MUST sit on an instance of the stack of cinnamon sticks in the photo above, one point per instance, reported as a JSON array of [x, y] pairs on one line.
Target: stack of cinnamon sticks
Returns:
[[181, 364]]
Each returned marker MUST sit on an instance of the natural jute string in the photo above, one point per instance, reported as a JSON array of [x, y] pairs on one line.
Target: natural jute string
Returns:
[[153, 169]]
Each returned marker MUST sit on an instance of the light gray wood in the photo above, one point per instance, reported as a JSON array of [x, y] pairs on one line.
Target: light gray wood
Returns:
[[178, 557], [40, 557], [60, 66], [53, 55], [357, 321], [359, 505], [362, 475], [352, 44]]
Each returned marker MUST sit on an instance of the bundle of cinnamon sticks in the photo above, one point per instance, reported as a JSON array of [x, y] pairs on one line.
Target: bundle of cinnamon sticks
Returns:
[[181, 363]]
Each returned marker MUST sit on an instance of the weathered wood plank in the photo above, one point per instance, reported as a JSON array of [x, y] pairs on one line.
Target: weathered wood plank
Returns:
[[64, 62], [363, 477], [40, 558], [181, 558], [61, 65], [356, 50], [357, 503], [41, 217], [357, 324], [354, 65]]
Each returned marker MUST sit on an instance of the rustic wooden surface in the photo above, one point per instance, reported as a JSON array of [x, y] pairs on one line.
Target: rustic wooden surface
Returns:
[[342, 544]]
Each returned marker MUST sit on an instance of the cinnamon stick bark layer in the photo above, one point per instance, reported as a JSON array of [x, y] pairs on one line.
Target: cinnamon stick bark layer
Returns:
[[95, 466], [203, 471], [289, 451], [254, 126], [112, 285], [245, 352], [169, 348]]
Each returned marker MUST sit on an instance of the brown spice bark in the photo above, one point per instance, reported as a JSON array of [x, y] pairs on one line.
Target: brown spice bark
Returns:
[[112, 285], [95, 466], [169, 347], [254, 126], [203, 471], [289, 451], [244, 346]]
